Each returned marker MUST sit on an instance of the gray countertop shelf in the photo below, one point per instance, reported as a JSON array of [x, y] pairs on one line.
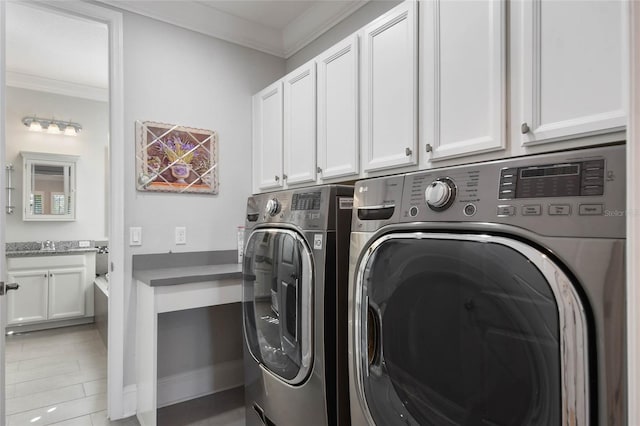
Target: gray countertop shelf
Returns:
[[188, 274]]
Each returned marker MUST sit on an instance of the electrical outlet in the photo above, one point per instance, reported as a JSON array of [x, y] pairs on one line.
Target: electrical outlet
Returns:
[[84, 243], [181, 235], [135, 236]]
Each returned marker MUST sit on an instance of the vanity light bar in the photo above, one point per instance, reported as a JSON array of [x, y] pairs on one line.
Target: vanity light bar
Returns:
[[56, 127]]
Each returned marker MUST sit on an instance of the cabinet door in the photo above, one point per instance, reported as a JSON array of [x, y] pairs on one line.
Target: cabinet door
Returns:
[[389, 89], [338, 140], [29, 302], [267, 138], [463, 77], [300, 125], [572, 78], [66, 292]]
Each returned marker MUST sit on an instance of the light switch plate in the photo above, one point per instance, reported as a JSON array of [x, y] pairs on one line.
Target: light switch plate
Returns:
[[181, 235], [135, 236]]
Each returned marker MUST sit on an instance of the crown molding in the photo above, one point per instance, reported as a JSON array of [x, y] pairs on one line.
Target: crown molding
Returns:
[[216, 23], [314, 22], [59, 87], [209, 21]]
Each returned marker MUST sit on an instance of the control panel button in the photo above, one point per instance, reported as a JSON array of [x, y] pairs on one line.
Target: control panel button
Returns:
[[592, 190], [413, 211], [591, 209], [506, 211], [532, 210], [559, 210], [594, 164], [469, 209]]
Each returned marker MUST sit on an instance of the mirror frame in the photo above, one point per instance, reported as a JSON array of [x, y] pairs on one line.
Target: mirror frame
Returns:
[[40, 158]]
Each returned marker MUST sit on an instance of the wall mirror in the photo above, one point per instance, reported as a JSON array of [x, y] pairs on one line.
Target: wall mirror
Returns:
[[49, 186]]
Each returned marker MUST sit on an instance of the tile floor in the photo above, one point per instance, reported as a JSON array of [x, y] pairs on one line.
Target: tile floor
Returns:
[[59, 377]]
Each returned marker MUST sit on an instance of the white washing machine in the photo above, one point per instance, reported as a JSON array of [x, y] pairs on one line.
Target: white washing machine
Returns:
[[491, 294]]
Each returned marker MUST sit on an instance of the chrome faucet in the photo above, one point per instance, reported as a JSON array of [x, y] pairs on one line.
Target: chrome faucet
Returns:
[[48, 245]]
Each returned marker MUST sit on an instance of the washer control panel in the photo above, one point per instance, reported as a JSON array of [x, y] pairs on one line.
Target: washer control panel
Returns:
[[577, 179], [572, 193]]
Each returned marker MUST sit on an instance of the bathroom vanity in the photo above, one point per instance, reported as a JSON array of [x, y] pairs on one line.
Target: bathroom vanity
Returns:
[[56, 287]]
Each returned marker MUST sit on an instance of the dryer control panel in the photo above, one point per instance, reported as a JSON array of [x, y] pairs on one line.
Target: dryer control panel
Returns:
[[572, 193], [305, 208]]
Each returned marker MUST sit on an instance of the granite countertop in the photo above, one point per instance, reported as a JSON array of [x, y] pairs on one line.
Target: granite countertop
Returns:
[[188, 274], [57, 252], [35, 248]]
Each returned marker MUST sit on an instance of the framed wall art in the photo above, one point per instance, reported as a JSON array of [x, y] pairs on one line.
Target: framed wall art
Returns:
[[171, 158]]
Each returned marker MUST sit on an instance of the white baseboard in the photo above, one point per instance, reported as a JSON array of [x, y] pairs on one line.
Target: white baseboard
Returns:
[[130, 401], [193, 384], [197, 383]]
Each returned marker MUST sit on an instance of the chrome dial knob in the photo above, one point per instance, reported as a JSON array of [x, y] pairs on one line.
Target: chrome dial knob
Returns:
[[440, 194], [273, 207]]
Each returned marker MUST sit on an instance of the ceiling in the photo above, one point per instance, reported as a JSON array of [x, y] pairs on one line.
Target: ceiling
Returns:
[[278, 27], [45, 52]]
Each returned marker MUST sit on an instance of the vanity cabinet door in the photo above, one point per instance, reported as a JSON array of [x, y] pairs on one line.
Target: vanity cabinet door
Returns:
[[66, 292], [29, 302]]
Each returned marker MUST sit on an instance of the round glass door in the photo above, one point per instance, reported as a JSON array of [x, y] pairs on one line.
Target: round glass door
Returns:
[[467, 331], [277, 302]]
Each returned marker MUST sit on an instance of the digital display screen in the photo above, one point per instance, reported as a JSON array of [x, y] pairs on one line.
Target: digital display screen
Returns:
[[536, 172], [306, 201], [553, 180]]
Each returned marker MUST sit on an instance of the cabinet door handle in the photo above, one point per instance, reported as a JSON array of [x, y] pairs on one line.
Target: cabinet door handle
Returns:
[[46, 275], [50, 275], [524, 128], [408, 152], [284, 177], [277, 178], [428, 148], [319, 169]]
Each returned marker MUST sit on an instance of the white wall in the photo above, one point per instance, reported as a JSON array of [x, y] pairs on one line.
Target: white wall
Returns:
[[349, 25], [90, 144], [176, 76]]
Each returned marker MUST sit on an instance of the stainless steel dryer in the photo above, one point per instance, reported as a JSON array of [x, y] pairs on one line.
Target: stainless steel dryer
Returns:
[[295, 306], [491, 294]]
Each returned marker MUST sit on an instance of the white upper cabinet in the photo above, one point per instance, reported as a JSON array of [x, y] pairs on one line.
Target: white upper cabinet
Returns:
[[338, 135], [570, 69], [267, 138], [389, 90], [463, 78], [300, 125]]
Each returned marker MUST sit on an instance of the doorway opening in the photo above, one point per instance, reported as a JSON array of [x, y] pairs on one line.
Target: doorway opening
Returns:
[[74, 75]]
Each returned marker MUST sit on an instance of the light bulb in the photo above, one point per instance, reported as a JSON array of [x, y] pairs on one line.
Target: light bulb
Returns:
[[53, 128], [70, 131], [35, 126]]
